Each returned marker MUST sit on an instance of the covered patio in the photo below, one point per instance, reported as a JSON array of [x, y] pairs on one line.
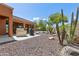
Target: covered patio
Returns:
[[10, 23], [21, 23]]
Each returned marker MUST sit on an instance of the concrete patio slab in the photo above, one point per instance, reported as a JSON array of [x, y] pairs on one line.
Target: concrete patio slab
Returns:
[[5, 39], [24, 38]]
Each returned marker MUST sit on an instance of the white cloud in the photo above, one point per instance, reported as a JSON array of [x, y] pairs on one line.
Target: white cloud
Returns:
[[36, 18], [45, 18], [39, 18], [74, 17]]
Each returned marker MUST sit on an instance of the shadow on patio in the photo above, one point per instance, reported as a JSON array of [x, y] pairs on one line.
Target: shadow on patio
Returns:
[[6, 39]]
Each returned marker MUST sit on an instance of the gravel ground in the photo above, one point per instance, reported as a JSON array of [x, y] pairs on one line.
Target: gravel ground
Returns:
[[37, 46]]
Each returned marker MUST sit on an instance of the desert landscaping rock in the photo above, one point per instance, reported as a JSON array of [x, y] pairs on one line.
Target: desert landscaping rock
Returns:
[[37, 46]]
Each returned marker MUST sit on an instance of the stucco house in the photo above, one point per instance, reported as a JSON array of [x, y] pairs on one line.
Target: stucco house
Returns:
[[6, 17]]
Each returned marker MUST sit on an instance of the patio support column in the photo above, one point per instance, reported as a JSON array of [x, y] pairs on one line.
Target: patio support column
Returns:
[[10, 26], [24, 25]]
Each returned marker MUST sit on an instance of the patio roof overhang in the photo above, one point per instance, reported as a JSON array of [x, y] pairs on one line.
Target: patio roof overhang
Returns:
[[5, 10], [6, 6], [21, 20]]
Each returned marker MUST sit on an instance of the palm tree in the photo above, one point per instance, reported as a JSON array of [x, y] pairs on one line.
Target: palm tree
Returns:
[[56, 18]]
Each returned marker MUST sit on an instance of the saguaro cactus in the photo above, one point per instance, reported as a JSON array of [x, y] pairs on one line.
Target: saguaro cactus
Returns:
[[61, 18], [73, 25]]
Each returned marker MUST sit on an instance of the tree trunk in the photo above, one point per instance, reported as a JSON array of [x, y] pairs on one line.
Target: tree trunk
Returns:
[[58, 33]]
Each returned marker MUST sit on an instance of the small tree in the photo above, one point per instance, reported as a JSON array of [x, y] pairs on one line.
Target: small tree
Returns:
[[49, 26], [40, 25], [56, 19]]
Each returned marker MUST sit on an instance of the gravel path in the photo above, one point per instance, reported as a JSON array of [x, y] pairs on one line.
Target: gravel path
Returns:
[[38, 46]]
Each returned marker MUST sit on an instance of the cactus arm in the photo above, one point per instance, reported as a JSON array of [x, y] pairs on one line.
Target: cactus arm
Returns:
[[63, 28], [71, 29], [75, 24]]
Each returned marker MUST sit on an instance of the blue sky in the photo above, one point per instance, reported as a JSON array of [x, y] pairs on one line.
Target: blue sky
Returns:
[[35, 11]]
